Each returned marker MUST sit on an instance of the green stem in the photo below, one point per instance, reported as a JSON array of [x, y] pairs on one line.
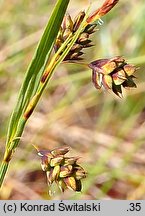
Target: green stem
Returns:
[[3, 168], [77, 62], [55, 61], [9, 151], [20, 128]]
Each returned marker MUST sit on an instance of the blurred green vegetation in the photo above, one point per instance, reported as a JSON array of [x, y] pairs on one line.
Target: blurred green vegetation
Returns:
[[106, 132]]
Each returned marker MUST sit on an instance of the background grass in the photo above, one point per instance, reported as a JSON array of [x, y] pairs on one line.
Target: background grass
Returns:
[[106, 132]]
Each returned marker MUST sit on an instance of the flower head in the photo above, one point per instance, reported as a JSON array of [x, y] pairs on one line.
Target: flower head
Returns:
[[112, 74], [61, 169]]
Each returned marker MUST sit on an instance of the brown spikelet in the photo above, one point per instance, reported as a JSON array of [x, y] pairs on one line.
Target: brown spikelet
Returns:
[[65, 171], [69, 27]]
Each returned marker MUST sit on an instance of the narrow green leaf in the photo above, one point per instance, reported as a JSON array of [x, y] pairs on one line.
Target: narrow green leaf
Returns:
[[37, 65]]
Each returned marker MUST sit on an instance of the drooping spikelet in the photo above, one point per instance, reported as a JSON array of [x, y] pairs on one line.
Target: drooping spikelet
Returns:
[[62, 170], [113, 74]]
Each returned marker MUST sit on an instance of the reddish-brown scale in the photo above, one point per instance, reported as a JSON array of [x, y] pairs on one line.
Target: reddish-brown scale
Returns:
[[8, 156], [104, 9], [44, 77], [28, 113]]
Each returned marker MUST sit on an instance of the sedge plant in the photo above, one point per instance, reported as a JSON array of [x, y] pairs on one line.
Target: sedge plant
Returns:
[[68, 39]]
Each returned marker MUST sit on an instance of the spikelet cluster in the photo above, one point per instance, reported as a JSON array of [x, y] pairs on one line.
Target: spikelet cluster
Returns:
[[62, 170], [69, 27]]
